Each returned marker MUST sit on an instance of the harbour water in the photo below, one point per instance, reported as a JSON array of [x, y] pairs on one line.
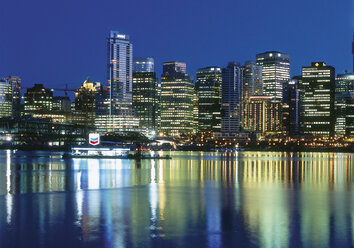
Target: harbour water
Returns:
[[196, 199]]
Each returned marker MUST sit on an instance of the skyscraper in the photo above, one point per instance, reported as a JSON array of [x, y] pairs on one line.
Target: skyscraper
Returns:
[[317, 99], [208, 87], [5, 99], [177, 92], [231, 99], [344, 105], [145, 93], [291, 107], [252, 80], [10, 97], [115, 111], [120, 73], [143, 65], [275, 72]]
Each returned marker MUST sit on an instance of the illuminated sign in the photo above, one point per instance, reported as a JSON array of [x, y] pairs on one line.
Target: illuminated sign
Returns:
[[121, 36], [94, 139]]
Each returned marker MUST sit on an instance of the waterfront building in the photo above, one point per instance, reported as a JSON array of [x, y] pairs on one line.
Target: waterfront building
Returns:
[[143, 65], [231, 88], [291, 107], [275, 72], [317, 100], [38, 100], [115, 111], [84, 108], [262, 115], [208, 86], [5, 99], [10, 97], [177, 92], [145, 98], [61, 103], [344, 105], [252, 80]]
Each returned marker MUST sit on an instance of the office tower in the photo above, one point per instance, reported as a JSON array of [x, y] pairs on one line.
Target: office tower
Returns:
[[115, 112], [145, 97], [317, 100], [252, 80], [176, 100], [208, 86], [344, 105], [15, 83], [291, 107], [174, 67], [120, 73], [262, 115], [61, 103], [5, 99], [38, 99], [275, 72], [143, 65], [84, 110], [231, 99]]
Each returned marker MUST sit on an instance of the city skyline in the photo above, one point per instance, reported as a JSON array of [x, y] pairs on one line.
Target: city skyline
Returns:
[[304, 43]]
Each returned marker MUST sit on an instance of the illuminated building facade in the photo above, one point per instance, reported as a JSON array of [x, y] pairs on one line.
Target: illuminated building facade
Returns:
[[317, 100], [344, 105], [114, 111], [177, 92], [231, 88], [262, 115], [275, 72], [84, 111], [208, 86], [5, 99], [38, 99], [143, 65], [146, 99], [252, 80], [291, 107]]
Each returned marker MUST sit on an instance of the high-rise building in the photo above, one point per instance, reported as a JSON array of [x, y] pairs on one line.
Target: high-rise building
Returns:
[[317, 99], [15, 83], [275, 72], [344, 105], [231, 89], [115, 112], [208, 87], [262, 115], [291, 107], [38, 99], [252, 80], [5, 99], [85, 109], [177, 92], [61, 103], [146, 99], [143, 65]]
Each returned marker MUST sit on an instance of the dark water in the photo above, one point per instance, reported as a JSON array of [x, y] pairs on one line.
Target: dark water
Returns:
[[245, 199]]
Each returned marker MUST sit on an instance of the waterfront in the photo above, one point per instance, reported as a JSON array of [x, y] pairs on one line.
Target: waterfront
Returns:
[[256, 199]]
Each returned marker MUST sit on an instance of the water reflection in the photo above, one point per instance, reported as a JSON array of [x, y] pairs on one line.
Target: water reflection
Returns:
[[195, 199]]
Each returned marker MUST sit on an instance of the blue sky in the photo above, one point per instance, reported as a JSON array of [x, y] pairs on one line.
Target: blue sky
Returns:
[[59, 42]]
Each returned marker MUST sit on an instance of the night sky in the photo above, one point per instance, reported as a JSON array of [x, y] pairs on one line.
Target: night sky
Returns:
[[59, 42]]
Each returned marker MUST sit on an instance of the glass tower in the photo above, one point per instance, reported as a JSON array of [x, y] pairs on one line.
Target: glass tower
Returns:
[[275, 72], [231, 99], [317, 99], [208, 86], [143, 65], [177, 98]]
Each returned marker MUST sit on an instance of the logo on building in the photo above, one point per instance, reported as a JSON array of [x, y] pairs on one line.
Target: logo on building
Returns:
[[94, 139]]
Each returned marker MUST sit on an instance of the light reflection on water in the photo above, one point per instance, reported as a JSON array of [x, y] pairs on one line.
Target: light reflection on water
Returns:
[[267, 199]]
